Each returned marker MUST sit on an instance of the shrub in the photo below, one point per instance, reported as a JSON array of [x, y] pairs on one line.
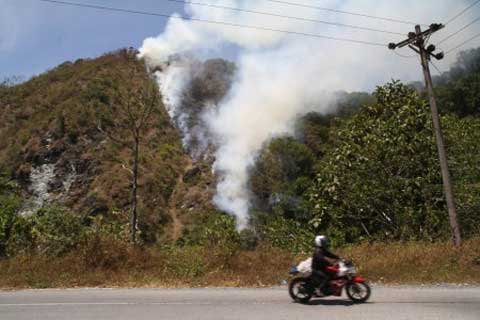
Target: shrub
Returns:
[[216, 230], [185, 263], [9, 205], [21, 238], [104, 252], [288, 234], [105, 243], [55, 231]]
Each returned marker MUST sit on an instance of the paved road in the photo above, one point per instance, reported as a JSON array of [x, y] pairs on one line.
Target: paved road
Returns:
[[135, 304]]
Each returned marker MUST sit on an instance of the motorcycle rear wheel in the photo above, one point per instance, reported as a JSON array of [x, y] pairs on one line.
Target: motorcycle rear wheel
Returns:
[[358, 292], [299, 290]]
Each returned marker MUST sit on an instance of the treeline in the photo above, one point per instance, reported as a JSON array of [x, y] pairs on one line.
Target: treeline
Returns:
[[458, 90], [372, 173]]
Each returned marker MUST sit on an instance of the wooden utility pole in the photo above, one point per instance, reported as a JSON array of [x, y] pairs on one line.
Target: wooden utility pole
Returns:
[[416, 41]]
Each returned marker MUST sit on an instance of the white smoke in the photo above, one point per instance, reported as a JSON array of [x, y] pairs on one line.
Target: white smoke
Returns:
[[282, 76], [171, 81]]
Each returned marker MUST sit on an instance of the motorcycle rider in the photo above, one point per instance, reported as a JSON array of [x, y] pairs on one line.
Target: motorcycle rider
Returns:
[[320, 276]]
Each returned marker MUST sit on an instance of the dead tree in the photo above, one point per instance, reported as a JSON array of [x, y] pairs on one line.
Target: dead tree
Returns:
[[125, 122]]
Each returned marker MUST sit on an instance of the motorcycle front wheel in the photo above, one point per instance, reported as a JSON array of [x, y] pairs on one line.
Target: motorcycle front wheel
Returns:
[[358, 292], [299, 290]]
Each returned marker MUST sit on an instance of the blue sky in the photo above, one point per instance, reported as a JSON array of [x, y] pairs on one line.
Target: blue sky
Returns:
[[36, 36]]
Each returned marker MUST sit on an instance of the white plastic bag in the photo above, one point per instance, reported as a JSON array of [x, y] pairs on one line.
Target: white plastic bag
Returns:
[[342, 270], [305, 266]]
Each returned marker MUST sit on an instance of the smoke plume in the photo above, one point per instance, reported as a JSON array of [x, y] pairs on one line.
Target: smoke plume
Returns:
[[279, 77]]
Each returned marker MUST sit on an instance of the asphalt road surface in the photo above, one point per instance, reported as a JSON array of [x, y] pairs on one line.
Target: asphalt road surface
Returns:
[[135, 304]]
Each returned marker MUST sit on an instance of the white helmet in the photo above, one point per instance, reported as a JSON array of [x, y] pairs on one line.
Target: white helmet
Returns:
[[321, 241]]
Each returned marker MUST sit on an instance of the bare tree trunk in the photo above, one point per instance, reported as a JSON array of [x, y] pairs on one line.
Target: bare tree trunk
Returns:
[[134, 216]]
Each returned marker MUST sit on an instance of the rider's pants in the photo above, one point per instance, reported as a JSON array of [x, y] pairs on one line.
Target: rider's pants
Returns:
[[319, 278]]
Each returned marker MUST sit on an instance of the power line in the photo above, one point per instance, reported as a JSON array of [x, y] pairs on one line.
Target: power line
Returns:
[[436, 68], [404, 56], [345, 12], [463, 43], [75, 4], [285, 16], [462, 12], [460, 30]]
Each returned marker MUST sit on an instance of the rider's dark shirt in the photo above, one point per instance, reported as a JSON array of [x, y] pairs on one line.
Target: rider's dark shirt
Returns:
[[319, 262]]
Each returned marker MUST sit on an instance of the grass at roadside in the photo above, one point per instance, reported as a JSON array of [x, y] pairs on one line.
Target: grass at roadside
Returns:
[[418, 262], [115, 265]]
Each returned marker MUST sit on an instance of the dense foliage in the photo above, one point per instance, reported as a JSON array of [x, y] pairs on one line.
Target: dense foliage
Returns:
[[462, 141], [458, 91], [368, 171], [377, 181], [375, 167], [374, 176], [281, 177], [9, 205]]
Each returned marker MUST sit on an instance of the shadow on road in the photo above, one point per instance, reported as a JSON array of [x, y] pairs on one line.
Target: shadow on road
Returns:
[[320, 302]]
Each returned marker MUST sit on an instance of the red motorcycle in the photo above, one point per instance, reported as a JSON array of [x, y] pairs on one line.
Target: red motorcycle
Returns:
[[342, 275]]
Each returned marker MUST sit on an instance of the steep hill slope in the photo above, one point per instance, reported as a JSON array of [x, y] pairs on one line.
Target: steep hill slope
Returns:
[[51, 143]]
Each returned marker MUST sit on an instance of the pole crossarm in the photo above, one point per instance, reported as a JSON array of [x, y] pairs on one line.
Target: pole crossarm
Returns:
[[417, 40], [413, 37]]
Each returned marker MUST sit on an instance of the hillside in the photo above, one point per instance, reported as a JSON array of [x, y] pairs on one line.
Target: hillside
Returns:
[[52, 145], [366, 174]]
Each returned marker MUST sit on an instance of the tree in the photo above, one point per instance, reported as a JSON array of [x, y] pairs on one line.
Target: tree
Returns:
[[461, 137], [381, 179], [126, 120], [458, 90], [280, 178]]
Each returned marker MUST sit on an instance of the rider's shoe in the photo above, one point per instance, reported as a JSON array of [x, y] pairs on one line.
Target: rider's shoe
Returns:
[[326, 291], [319, 293]]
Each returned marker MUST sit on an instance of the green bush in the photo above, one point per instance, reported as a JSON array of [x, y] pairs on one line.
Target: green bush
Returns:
[[213, 230], [55, 231], [462, 136], [288, 234], [21, 238], [115, 226], [9, 205]]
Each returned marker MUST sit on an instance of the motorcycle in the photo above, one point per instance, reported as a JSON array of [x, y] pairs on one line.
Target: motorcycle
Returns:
[[342, 275]]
